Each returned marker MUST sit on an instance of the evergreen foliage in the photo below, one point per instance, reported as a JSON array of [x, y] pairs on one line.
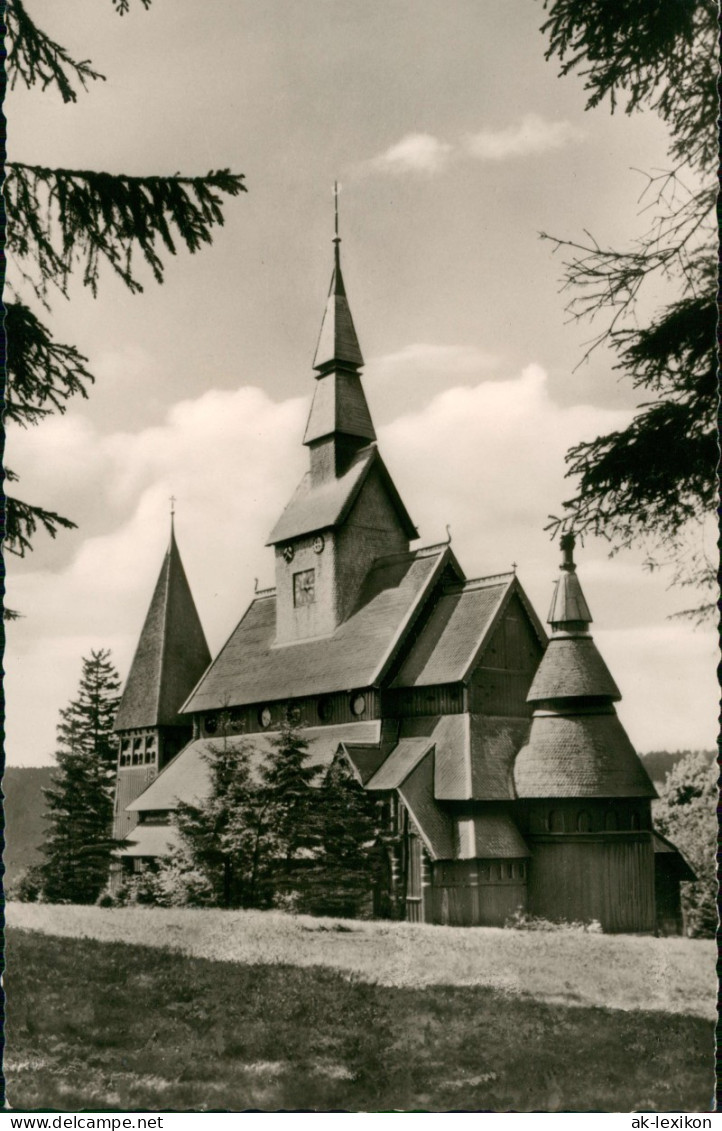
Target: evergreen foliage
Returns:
[[77, 846], [686, 813], [648, 481], [272, 834], [225, 835], [351, 852], [69, 220]]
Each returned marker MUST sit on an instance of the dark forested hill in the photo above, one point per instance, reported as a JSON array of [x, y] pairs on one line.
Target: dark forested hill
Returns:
[[24, 807]]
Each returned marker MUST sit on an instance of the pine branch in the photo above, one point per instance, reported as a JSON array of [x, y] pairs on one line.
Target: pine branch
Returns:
[[42, 374], [23, 520], [35, 58], [66, 218]]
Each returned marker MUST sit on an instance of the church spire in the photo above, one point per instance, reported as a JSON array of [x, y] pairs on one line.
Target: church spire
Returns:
[[172, 652], [337, 342], [339, 423]]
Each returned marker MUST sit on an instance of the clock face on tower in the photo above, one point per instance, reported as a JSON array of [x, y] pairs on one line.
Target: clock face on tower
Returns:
[[304, 587]]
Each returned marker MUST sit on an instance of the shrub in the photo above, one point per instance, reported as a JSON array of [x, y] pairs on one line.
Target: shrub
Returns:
[[522, 921]]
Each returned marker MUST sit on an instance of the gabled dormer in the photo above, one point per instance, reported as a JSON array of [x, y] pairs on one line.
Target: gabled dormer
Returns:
[[346, 511]]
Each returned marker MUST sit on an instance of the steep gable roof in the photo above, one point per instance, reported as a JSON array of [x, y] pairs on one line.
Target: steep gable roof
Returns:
[[459, 628], [172, 652], [252, 668], [327, 505]]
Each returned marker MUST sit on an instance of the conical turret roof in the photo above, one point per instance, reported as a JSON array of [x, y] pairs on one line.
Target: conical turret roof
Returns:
[[577, 746], [172, 652]]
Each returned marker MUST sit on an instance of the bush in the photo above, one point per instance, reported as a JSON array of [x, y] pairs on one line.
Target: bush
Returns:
[[28, 887], [522, 921]]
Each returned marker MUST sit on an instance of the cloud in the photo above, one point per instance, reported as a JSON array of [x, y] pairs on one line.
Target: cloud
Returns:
[[423, 153], [531, 135], [486, 458], [415, 153]]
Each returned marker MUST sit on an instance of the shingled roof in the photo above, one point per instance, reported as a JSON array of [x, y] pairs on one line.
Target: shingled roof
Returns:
[[252, 668], [579, 756], [572, 668], [187, 776], [337, 341], [327, 505], [454, 633], [488, 835], [171, 656]]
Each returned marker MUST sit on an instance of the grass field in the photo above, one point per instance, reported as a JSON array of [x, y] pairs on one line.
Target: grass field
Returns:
[[111, 1025], [620, 972]]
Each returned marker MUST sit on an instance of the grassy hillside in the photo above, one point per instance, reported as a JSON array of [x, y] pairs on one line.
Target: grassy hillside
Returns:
[[24, 808], [619, 971], [147, 1028]]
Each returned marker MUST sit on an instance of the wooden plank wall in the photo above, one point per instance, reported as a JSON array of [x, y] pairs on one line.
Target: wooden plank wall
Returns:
[[446, 699], [583, 879], [463, 895]]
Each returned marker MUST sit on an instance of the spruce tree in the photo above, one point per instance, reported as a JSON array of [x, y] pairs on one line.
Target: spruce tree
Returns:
[[287, 781], [77, 845], [347, 862], [224, 835]]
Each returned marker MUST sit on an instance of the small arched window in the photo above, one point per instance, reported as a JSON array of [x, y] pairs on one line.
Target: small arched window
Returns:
[[555, 821], [610, 821], [635, 821], [584, 822]]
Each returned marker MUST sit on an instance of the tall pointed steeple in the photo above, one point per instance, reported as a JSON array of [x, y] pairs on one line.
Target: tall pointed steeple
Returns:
[[172, 652], [339, 423]]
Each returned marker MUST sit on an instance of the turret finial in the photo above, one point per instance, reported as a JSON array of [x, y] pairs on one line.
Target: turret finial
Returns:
[[566, 544], [336, 190], [172, 502]]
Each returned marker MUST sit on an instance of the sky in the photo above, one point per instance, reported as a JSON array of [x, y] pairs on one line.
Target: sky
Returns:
[[455, 144]]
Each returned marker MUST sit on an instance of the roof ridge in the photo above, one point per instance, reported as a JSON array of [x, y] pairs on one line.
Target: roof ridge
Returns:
[[472, 583], [270, 591]]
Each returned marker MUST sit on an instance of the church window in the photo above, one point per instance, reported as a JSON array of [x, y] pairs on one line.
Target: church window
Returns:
[[264, 716], [555, 821], [138, 751], [210, 724], [584, 822], [324, 708], [304, 587], [150, 748], [358, 704], [610, 821], [635, 822], [125, 752]]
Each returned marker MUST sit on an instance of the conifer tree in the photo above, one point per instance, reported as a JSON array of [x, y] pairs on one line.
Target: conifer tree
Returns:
[[287, 781], [66, 221], [77, 845], [347, 822], [224, 834], [649, 482]]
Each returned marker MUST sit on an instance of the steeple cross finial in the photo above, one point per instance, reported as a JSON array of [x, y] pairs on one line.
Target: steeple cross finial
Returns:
[[172, 501], [336, 189]]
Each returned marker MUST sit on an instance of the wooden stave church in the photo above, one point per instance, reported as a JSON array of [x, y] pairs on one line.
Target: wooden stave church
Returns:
[[506, 769]]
